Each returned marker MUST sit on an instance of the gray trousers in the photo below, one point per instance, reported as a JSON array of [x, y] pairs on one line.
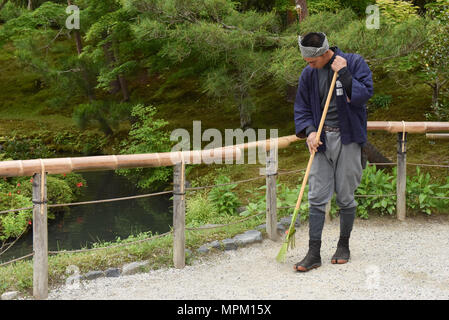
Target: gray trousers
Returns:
[[338, 170]]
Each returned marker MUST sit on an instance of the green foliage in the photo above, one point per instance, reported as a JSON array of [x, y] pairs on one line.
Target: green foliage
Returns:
[[230, 46], [358, 6], [200, 210], [258, 5], [10, 11], [13, 224], [328, 22], [431, 58], [376, 182], [16, 193], [258, 204], [106, 115], [286, 197], [420, 191], [375, 195], [396, 11], [319, 6], [147, 135], [439, 110], [24, 149], [223, 198], [379, 101]]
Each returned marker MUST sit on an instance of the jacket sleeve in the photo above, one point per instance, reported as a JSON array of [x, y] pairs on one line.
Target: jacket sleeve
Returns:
[[302, 108], [362, 83]]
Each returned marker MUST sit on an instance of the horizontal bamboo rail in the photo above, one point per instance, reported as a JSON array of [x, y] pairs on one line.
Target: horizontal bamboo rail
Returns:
[[437, 136], [112, 162], [16, 168], [410, 127]]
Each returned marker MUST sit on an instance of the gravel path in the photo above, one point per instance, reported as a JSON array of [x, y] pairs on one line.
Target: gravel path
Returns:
[[389, 260]]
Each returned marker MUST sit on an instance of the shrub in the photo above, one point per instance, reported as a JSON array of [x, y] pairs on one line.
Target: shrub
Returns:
[[421, 193], [199, 210], [23, 149], [328, 22], [223, 198], [147, 136], [318, 6], [376, 182], [14, 223], [379, 101], [10, 11], [396, 11], [17, 193]]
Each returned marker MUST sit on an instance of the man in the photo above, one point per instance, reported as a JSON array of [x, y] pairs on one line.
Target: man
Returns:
[[337, 164]]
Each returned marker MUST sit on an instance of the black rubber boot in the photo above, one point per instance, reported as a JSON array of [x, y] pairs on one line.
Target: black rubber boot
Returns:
[[313, 258], [342, 254]]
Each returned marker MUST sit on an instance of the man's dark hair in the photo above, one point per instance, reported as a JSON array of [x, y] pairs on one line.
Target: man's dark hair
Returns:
[[313, 39]]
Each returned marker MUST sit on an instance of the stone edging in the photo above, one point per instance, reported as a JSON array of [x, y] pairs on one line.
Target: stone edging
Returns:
[[240, 240]]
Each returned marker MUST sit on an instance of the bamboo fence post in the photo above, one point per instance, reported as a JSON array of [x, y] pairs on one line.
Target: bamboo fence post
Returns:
[[40, 237], [401, 176], [271, 213], [179, 216]]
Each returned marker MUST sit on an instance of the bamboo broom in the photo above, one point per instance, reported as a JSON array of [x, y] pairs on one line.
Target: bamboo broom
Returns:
[[290, 237]]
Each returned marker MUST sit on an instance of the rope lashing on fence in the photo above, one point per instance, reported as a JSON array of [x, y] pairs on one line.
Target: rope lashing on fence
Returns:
[[91, 249], [13, 242], [146, 239], [114, 246], [204, 187], [94, 201], [403, 137], [18, 259], [428, 165], [42, 185]]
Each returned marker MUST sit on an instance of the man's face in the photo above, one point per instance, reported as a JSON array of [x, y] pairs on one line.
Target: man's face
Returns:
[[317, 62]]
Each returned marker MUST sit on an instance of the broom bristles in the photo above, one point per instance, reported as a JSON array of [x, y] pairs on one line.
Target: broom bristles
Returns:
[[281, 255], [288, 242]]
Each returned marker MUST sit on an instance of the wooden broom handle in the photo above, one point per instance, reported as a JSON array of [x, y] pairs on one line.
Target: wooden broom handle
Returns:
[[318, 134]]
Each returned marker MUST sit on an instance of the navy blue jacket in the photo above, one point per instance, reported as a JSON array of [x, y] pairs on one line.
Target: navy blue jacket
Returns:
[[351, 115]]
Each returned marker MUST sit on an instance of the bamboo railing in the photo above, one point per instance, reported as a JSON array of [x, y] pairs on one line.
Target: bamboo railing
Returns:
[[113, 162], [39, 168]]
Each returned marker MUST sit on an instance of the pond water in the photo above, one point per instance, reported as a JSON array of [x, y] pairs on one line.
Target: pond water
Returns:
[[82, 225]]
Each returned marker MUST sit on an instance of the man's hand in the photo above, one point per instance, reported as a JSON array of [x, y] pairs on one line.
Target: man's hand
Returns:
[[339, 63], [311, 142]]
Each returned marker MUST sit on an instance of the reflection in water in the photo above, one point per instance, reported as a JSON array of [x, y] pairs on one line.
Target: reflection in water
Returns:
[[82, 225]]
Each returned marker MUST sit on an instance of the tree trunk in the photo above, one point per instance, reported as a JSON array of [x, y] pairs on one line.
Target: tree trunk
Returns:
[[245, 115], [79, 49], [124, 87], [114, 86], [30, 5], [120, 82], [245, 118], [304, 12], [436, 91]]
